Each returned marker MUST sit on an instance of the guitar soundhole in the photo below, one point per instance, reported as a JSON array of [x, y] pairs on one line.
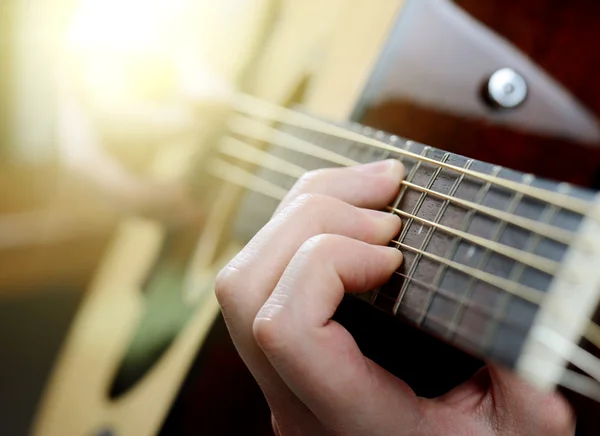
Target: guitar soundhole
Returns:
[[105, 431], [165, 314]]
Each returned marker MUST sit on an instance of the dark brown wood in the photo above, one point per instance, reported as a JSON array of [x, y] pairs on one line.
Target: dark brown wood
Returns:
[[561, 37]]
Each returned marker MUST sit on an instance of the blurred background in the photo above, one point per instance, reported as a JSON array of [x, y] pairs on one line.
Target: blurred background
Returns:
[[90, 90]]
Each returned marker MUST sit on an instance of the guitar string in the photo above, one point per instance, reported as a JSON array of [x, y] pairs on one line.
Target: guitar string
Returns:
[[290, 142], [569, 351], [263, 109], [478, 308], [242, 150], [236, 175], [248, 180], [573, 381], [266, 160], [450, 295]]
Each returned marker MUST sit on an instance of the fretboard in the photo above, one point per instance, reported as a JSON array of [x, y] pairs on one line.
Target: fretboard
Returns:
[[464, 305]]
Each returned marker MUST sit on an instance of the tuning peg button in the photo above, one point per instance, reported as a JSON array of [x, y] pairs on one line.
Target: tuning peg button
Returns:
[[505, 89]]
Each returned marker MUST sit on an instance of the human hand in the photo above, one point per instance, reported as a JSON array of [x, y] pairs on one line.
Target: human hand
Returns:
[[278, 296]]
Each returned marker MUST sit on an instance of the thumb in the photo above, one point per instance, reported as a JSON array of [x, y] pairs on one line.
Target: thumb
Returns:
[[513, 406]]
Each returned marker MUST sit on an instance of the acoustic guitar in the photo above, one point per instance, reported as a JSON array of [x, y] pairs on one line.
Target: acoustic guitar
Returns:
[[499, 264]]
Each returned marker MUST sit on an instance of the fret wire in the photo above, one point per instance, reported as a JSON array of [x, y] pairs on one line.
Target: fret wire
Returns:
[[547, 230], [289, 141], [450, 295], [500, 227], [416, 260], [522, 291], [277, 164], [410, 177], [454, 246], [470, 285], [519, 268], [452, 192], [252, 105], [393, 140], [380, 136], [248, 180], [399, 197], [538, 262]]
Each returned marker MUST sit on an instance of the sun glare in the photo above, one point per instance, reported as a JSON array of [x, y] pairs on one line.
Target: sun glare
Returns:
[[125, 26]]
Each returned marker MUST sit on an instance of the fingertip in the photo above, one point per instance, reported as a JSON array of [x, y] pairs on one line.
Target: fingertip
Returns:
[[394, 256], [389, 222], [396, 169], [388, 167]]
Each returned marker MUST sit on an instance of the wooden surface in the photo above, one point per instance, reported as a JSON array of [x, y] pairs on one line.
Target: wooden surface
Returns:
[[561, 37], [53, 231]]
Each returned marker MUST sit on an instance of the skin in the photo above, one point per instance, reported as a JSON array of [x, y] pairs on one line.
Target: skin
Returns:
[[278, 296]]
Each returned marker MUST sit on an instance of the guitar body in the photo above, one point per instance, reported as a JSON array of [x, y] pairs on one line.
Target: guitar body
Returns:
[[337, 92], [557, 36], [345, 71]]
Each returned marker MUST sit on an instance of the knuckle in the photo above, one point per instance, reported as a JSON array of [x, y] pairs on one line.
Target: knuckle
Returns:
[[308, 203], [310, 181], [267, 333], [308, 200], [319, 246], [226, 284], [310, 178]]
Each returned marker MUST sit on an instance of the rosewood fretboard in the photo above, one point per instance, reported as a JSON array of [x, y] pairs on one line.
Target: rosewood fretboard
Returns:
[[465, 311]]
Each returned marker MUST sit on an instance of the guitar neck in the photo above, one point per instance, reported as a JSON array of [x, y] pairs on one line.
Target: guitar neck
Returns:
[[481, 248]]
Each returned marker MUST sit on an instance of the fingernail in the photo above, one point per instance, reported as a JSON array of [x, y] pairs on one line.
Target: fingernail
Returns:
[[394, 253], [380, 167], [386, 216], [386, 219]]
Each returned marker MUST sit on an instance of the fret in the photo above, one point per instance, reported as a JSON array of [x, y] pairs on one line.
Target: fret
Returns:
[[504, 344], [441, 213], [442, 210], [413, 170], [453, 253], [501, 313], [425, 268], [465, 317], [427, 238], [410, 178], [435, 295]]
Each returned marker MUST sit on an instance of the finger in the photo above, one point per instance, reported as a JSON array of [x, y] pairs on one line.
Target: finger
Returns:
[[303, 217], [371, 185], [316, 357], [247, 281], [505, 404]]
